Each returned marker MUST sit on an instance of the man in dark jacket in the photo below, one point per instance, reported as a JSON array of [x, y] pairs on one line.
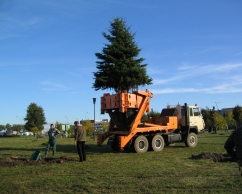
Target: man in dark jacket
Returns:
[[80, 139], [52, 133], [235, 142]]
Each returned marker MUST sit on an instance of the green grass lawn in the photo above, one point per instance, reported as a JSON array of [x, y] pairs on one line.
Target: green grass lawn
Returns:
[[106, 171]]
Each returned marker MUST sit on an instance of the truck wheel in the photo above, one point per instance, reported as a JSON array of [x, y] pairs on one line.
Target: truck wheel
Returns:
[[191, 140], [157, 143], [141, 144]]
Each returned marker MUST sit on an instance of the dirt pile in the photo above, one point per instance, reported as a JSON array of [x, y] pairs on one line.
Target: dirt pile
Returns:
[[14, 161], [208, 155], [215, 157], [218, 158]]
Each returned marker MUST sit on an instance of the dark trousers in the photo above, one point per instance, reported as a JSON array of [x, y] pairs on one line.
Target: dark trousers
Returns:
[[81, 150], [51, 143]]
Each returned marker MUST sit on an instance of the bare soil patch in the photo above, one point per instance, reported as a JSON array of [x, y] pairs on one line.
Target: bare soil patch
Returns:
[[14, 161], [215, 157]]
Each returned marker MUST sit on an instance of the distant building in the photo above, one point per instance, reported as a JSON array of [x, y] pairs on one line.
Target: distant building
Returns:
[[98, 123], [223, 111]]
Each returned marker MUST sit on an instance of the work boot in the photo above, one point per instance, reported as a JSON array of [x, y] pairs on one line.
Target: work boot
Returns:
[[53, 153]]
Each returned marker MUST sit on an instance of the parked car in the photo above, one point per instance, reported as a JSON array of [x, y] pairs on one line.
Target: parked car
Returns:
[[41, 136]]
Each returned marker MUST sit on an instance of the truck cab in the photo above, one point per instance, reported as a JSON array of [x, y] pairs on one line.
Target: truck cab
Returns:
[[195, 118]]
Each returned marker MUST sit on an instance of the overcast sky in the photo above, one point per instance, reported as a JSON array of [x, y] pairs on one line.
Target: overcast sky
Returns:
[[47, 53]]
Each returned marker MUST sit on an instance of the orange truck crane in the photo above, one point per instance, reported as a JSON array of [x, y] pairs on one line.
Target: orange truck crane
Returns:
[[126, 132]]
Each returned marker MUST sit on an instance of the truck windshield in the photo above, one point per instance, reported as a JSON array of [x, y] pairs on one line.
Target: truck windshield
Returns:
[[196, 111]]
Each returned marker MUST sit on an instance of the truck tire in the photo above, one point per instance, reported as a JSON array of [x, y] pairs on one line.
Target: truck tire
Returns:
[[141, 144], [191, 140], [157, 143]]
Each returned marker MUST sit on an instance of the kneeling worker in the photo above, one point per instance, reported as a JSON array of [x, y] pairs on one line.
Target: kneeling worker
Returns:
[[235, 142]]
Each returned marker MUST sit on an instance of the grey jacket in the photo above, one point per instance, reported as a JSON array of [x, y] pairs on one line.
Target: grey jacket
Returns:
[[52, 133]]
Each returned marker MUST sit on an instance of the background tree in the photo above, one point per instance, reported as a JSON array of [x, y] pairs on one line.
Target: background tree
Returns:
[[145, 118], [70, 131], [229, 117], [35, 117], [237, 112], [16, 128], [35, 130], [104, 126], [152, 113], [58, 126], [208, 119], [119, 67], [8, 127], [89, 127], [2, 127], [219, 121]]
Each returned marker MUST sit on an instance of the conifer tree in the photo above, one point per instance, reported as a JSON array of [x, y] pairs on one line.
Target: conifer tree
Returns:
[[119, 66]]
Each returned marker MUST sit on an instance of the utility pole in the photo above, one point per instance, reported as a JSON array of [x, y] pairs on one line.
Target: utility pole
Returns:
[[67, 119], [94, 101], [20, 124], [217, 105], [20, 120]]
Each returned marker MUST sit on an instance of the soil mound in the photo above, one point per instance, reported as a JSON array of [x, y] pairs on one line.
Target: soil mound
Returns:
[[215, 157], [14, 161], [208, 155]]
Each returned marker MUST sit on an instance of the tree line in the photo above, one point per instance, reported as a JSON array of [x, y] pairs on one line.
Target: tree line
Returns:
[[232, 118], [35, 121]]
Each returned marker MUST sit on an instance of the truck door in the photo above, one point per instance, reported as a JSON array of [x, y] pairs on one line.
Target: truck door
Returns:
[[196, 118]]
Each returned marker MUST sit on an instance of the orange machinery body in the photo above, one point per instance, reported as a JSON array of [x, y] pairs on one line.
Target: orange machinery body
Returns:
[[139, 101]]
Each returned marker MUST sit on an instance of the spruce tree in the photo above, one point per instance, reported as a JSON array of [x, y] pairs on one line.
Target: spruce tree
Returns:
[[119, 66]]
